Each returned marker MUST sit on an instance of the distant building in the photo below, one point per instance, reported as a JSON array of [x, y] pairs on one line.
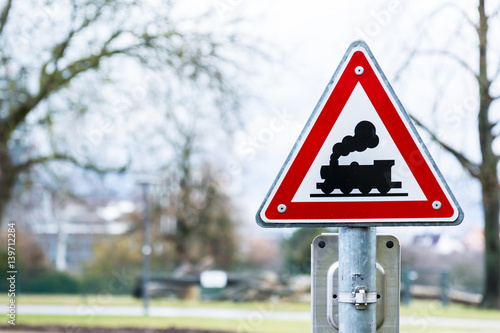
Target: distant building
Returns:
[[426, 240], [474, 240], [441, 243], [68, 238]]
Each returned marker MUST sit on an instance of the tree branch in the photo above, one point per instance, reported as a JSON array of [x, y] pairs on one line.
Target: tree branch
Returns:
[[66, 158], [413, 51], [495, 97], [5, 15], [495, 13], [452, 56], [455, 7], [65, 75], [464, 15], [496, 75], [471, 167], [50, 83]]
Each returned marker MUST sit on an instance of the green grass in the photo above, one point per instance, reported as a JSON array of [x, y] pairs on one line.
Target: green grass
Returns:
[[103, 300], [434, 329], [417, 307], [420, 308], [255, 324]]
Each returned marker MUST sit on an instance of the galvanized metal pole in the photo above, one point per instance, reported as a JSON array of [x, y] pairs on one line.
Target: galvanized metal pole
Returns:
[[146, 250], [357, 280]]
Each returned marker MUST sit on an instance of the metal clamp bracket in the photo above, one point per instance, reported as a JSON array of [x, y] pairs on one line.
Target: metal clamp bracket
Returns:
[[360, 297], [325, 291]]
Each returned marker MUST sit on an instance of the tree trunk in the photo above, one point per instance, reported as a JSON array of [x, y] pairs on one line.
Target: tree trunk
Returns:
[[7, 179], [488, 173], [491, 293]]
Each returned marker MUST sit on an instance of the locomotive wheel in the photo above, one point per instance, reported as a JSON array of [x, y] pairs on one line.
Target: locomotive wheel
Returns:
[[327, 187], [346, 189], [365, 189], [384, 188]]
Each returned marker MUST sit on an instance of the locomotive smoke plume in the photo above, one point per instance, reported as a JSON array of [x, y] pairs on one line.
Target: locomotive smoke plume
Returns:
[[364, 137]]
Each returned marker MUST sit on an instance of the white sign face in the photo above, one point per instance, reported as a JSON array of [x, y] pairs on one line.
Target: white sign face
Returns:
[[359, 160]]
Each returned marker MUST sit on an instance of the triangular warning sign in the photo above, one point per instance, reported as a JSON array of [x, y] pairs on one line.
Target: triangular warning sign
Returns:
[[359, 160]]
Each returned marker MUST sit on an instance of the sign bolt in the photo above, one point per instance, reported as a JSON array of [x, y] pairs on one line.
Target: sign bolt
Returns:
[[359, 70], [436, 205], [281, 208]]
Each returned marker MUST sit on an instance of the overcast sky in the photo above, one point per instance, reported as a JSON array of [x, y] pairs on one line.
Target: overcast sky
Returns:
[[312, 38], [307, 41]]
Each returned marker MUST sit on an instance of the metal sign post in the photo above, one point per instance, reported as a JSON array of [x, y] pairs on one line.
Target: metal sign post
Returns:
[[357, 294], [359, 163]]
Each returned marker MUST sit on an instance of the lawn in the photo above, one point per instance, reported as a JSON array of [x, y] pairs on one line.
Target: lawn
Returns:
[[106, 299], [257, 325], [417, 311], [421, 308]]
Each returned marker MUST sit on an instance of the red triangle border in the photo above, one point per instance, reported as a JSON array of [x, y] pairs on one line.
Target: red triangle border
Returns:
[[404, 136]]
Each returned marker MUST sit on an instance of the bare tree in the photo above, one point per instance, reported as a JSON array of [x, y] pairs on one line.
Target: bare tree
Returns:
[[201, 216], [46, 48], [486, 171]]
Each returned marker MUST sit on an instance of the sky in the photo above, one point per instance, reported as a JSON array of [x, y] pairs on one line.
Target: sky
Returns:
[[306, 41], [311, 40]]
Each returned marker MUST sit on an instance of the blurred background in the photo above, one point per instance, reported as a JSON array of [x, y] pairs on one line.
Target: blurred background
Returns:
[[152, 130]]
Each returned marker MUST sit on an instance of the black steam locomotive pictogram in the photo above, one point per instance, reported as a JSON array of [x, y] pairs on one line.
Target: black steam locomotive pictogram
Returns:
[[365, 178]]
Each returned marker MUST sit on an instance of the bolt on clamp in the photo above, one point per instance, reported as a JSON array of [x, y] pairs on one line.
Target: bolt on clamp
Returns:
[[359, 297]]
